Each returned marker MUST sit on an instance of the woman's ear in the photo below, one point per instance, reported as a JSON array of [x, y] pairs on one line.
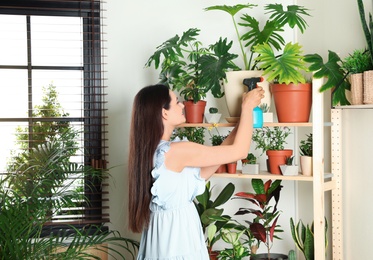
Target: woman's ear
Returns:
[[164, 113]]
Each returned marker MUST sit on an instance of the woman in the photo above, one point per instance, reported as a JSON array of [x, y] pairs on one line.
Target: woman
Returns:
[[165, 176]]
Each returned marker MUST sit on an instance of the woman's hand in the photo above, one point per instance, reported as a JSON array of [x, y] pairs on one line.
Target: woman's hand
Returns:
[[252, 98]]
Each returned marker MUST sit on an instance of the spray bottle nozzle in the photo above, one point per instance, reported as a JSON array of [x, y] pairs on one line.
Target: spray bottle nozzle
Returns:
[[251, 82]]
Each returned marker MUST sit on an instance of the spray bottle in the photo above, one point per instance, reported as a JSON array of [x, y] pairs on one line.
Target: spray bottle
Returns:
[[251, 83]]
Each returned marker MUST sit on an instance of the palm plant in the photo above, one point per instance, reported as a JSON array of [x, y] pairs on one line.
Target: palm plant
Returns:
[[24, 213]]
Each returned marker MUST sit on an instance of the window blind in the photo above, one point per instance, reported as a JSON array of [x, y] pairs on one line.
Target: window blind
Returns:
[[53, 79]]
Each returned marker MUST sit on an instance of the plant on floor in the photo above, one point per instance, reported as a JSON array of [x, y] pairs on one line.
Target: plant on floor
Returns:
[[24, 215], [238, 250], [270, 138], [269, 33], [303, 237], [264, 226], [211, 216], [189, 67]]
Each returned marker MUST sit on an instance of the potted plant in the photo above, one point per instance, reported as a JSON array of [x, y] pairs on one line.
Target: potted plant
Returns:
[[192, 69], [212, 218], [264, 226], [192, 134], [238, 250], [272, 140], [249, 165], [254, 34], [24, 217], [356, 64], [305, 150], [267, 116], [217, 139], [292, 95], [288, 168], [213, 116], [303, 237]]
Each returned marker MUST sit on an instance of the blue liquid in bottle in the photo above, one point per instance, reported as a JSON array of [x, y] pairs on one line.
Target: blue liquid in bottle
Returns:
[[257, 118]]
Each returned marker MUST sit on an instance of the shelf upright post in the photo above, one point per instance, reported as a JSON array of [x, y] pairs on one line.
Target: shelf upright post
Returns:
[[318, 169], [337, 208]]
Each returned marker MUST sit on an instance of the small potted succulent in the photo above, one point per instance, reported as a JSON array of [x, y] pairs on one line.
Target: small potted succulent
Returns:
[[249, 164], [267, 116], [288, 169], [306, 153], [213, 116], [271, 140]]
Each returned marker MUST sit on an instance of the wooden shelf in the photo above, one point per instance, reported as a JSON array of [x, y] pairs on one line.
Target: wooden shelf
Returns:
[[308, 124], [264, 175], [368, 106]]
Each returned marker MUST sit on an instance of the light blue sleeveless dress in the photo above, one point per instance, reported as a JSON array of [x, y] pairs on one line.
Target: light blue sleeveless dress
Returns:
[[175, 231]]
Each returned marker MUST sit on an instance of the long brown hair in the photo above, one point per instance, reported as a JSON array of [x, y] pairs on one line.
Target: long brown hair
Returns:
[[145, 135]]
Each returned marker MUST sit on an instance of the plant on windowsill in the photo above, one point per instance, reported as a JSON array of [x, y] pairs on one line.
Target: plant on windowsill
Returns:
[[288, 169], [186, 66], [292, 95], [23, 218], [271, 140], [249, 33], [264, 227], [212, 218]]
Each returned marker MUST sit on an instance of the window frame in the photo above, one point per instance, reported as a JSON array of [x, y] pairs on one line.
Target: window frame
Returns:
[[94, 133]]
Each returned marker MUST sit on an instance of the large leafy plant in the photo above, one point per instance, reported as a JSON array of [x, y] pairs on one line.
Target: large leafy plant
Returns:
[[269, 33], [286, 68], [190, 68], [211, 216], [264, 225], [24, 213]]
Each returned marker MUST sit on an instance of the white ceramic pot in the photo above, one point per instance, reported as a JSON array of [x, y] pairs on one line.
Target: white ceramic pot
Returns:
[[250, 168], [234, 87], [212, 118], [289, 170], [306, 165]]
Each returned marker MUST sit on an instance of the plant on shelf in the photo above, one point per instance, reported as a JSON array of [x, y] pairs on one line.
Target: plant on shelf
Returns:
[[269, 33], [192, 134], [306, 152], [24, 216], [189, 67], [213, 116], [303, 237], [271, 140], [264, 226], [212, 218], [291, 93], [249, 33], [249, 164], [288, 168]]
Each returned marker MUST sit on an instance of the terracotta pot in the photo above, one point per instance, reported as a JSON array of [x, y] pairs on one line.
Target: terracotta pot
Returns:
[[213, 255], [293, 102], [194, 113], [232, 167], [277, 158], [234, 87], [222, 169]]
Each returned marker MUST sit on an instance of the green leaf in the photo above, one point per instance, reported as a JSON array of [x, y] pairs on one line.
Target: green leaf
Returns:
[[285, 68], [232, 10], [336, 76], [291, 16], [224, 195], [258, 186]]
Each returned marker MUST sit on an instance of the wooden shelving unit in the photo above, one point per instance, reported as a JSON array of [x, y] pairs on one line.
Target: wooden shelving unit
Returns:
[[321, 181]]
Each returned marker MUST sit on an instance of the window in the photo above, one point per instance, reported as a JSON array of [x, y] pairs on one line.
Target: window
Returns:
[[52, 77]]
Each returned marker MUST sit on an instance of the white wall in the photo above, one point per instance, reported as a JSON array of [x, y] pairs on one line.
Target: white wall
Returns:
[[135, 28]]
